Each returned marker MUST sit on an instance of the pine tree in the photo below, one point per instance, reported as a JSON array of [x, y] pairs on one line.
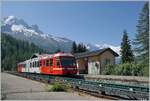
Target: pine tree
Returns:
[[142, 37], [58, 50], [15, 51], [74, 48], [79, 48], [126, 51], [84, 48]]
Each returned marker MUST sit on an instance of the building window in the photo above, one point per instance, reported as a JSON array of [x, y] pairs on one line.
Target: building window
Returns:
[[107, 61]]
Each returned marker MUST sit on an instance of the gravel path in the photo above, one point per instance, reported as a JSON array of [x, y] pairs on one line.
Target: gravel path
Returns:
[[18, 88]]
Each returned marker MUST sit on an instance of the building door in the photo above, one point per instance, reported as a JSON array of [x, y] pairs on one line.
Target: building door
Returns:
[[86, 65], [93, 67]]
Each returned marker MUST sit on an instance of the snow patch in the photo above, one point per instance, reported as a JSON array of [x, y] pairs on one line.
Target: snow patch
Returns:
[[9, 20], [101, 46], [59, 39], [21, 28], [17, 28]]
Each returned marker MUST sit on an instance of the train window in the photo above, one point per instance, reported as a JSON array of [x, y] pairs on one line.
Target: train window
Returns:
[[57, 62], [37, 63], [30, 65], [43, 62], [47, 62], [40, 63], [51, 62], [33, 64]]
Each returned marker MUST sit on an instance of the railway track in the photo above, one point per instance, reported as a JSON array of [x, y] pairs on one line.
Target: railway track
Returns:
[[101, 89]]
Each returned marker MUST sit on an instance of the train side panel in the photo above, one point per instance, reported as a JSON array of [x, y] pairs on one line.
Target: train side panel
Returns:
[[57, 64]]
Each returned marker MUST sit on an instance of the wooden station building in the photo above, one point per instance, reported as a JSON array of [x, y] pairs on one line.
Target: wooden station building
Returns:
[[94, 62]]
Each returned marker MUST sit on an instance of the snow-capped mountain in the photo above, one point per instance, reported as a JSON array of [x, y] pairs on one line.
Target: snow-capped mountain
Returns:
[[92, 47], [19, 29]]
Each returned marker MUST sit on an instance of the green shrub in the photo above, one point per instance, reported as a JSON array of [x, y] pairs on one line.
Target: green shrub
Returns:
[[126, 69], [146, 71], [109, 69], [58, 87], [137, 70]]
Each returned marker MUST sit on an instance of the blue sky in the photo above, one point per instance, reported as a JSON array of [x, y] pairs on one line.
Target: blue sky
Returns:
[[96, 22]]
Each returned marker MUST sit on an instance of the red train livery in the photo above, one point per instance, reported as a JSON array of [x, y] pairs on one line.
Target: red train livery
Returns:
[[55, 64]]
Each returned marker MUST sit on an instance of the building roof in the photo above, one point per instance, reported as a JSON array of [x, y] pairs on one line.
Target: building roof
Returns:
[[93, 53]]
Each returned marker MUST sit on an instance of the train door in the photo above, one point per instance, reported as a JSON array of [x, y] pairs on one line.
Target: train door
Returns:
[[56, 69], [23, 68], [27, 66], [31, 66], [40, 66], [51, 65], [44, 68], [37, 69]]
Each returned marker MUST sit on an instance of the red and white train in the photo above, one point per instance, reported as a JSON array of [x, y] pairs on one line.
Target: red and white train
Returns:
[[54, 64]]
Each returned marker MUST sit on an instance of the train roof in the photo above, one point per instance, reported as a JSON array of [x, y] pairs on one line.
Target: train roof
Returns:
[[21, 62], [44, 56], [37, 56]]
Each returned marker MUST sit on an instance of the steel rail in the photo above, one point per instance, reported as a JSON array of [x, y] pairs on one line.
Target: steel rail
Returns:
[[119, 90]]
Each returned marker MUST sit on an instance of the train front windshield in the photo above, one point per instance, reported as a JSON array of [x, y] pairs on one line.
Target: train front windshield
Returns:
[[68, 61]]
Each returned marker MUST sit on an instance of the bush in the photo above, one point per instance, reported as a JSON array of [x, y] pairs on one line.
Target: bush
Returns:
[[109, 70], [58, 87], [123, 69], [127, 69]]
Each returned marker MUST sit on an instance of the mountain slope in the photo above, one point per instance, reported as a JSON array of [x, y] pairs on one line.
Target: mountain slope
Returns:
[[14, 51], [19, 29]]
